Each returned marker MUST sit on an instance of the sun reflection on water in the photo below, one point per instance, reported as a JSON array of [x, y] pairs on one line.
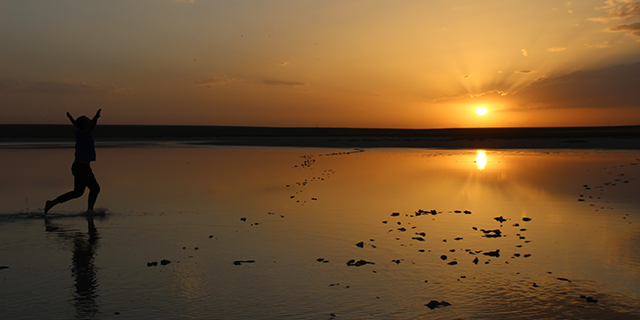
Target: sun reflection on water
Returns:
[[481, 159]]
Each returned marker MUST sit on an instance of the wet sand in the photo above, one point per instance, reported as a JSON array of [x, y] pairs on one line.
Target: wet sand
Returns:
[[223, 232]]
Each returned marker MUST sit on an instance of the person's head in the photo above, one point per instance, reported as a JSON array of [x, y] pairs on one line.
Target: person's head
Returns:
[[83, 122]]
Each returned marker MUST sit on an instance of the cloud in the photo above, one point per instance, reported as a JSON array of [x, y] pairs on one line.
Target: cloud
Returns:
[[603, 88], [525, 71], [632, 29], [467, 76], [216, 81], [62, 88], [620, 9], [556, 49], [284, 83], [283, 63], [525, 53]]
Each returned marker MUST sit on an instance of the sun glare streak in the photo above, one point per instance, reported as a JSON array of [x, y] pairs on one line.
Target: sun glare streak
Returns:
[[481, 159]]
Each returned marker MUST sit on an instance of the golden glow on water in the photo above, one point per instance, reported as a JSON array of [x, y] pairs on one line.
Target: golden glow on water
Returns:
[[300, 205], [481, 159]]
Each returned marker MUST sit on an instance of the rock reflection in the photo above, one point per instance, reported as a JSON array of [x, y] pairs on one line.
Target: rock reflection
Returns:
[[84, 246]]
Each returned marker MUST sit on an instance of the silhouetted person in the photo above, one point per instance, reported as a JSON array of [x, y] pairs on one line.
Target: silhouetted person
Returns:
[[82, 175]]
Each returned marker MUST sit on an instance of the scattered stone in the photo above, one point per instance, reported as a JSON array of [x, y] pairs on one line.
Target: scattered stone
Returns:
[[210, 236], [458, 238], [421, 234], [564, 279], [493, 253], [590, 299], [443, 257], [421, 250], [243, 219], [535, 285], [435, 304], [164, 262], [453, 263], [526, 219], [402, 229], [395, 214], [385, 222], [500, 219], [452, 250], [492, 233], [475, 261], [474, 228], [354, 263], [239, 262], [396, 261], [516, 254], [527, 255], [467, 212], [360, 244], [418, 238], [322, 260]]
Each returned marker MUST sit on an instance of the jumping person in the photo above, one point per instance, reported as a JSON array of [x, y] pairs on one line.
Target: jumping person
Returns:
[[82, 175]]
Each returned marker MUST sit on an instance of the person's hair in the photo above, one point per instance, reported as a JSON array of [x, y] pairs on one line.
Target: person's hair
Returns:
[[82, 121]]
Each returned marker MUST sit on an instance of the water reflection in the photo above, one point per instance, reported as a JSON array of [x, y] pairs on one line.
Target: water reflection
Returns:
[[481, 159], [84, 272]]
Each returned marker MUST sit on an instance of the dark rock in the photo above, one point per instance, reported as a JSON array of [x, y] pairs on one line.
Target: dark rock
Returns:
[[458, 238], [354, 263], [443, 257], [360, 244], [535, 285], [210, 236], [590, 299], [396, 261], [475, 261], [500, 219], [152, 264], [467, 212], [453, 263], [435, 304], [418, 238], [3, 267], [493, 253], [421, 234], [385, 222], [496, 233], [475, 228], [516, 254], [164, 262], [402, 229], [243, 219], [564, 279], [239, 262], [526, 219], [527, 255], [320, 260], [395, 214]]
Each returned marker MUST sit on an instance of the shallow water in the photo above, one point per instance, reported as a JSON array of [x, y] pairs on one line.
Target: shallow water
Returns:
[[184, 204]]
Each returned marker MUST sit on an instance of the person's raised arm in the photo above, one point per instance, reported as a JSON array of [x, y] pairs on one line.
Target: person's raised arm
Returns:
[[71, 118], [94, 121]]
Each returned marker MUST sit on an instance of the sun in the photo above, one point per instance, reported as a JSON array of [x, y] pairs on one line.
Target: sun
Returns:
[[481, 111]]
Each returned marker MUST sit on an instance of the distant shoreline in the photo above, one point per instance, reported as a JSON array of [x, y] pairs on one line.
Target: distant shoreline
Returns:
[[618, 137]]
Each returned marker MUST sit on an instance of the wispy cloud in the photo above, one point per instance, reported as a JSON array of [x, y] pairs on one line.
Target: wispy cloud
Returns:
[[525, 71], [467, 76], [284, 83], [619, 9], [216, 81], [62, 88], [283, 63], [632, 29], [556, 49], [525, 53]]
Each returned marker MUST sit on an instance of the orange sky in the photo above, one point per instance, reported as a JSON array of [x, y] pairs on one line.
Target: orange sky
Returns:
[[366, 63]]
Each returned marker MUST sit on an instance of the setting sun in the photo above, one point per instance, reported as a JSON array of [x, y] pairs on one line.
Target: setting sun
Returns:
[[481, 111]]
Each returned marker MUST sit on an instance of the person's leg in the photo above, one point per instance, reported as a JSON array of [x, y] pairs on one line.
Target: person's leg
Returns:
[[79, 184], [94, 189]]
